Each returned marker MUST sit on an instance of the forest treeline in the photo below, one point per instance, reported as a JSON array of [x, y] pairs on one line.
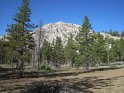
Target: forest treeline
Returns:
[[87, 49]]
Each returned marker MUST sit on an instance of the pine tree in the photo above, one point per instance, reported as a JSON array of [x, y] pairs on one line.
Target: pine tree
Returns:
[[113, 33], [122, 34], [70, 51], [85, 40], [99, 49], [120, 49], [19, 34], [111, 46], [6, 52], [58, 53], [46, 51], [36, 51], [2, 52]]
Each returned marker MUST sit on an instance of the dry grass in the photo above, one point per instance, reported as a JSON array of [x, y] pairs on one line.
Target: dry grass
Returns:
[[109, 81]]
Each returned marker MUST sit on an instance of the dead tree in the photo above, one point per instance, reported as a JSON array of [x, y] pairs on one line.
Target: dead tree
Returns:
[[36, 50]]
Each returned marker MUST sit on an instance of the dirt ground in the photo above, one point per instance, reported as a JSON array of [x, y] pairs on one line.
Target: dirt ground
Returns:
[[106, 81]]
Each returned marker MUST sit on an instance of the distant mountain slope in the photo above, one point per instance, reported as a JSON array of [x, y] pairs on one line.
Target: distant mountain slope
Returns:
[[60, 29], [63, 30]]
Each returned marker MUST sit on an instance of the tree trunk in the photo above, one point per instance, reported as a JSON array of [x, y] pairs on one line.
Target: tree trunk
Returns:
[[33, 57], [20, 68], [36, 51], [69, 62], [35, 62], [88, 64]]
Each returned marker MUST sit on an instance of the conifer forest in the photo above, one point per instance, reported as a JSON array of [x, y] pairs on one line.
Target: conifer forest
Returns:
[[59, 57]]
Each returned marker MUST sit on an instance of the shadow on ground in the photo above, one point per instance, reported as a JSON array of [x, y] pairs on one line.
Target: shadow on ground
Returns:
[[68, 85], [76, 85], [12, 73]]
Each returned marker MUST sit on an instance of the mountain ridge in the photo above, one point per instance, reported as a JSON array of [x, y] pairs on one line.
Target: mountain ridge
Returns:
[[63, 30], [52, 30]]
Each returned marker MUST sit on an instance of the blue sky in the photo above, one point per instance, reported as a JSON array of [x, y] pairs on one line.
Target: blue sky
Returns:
[[103, 14]]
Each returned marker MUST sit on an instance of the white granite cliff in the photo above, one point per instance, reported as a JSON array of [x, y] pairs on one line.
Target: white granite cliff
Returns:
[[63, 30], [60, 29]]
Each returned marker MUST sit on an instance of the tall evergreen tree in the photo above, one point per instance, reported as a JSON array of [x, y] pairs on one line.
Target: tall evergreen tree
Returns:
[[6, 52], [99, 49], [85, 40], [19, 34], [70, 51], [113, 33], [120, 49], [2, 52], [58, 53], [122, 34], [46, 52]]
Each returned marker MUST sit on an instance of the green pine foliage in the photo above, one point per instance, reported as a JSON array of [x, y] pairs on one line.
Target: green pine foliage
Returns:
[[52, 53], [120, 49], [122, 34], [20, 34], [6, 53], [58, 52], [86, 39], [46, 52], [114, 33], [70, 51]]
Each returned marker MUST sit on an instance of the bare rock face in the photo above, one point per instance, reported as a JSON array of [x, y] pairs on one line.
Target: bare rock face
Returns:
[[1, 37], [63, 30], [109, 36], [51, 31]]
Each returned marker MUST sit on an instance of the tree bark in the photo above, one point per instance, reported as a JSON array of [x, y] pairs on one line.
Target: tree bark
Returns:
[[69, 62], [20, 68], [36, 51]]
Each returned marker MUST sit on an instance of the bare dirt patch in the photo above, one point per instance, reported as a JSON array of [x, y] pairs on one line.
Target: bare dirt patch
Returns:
[[108, 81]]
